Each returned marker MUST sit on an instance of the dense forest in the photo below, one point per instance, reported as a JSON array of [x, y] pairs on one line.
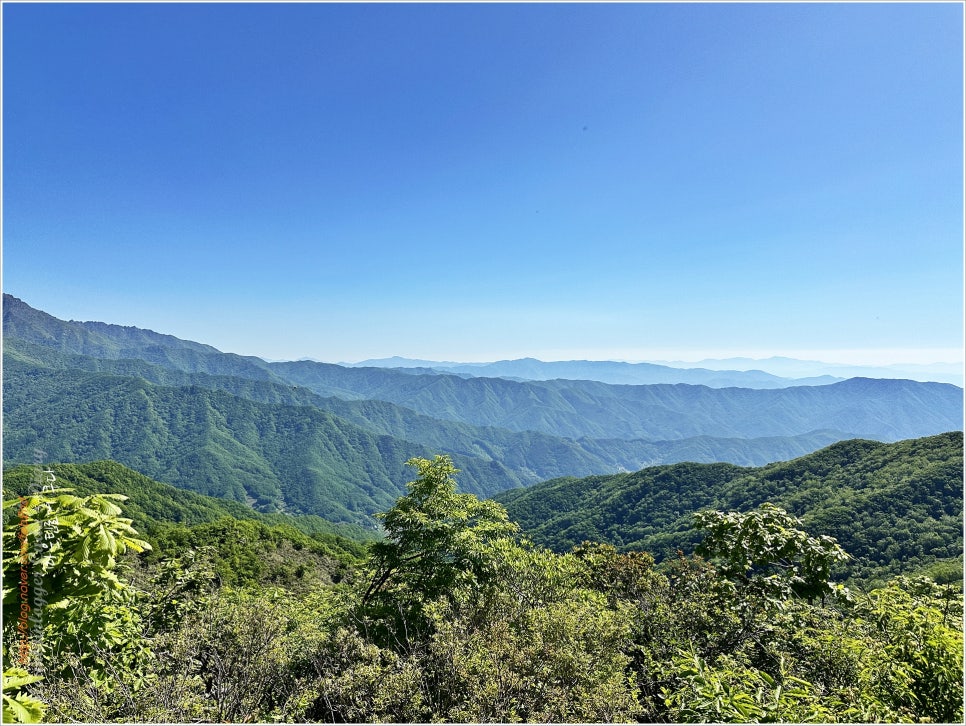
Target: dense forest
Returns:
[[204, 432], [877, 408], [894, 507], [826, 587], [171, 606], [332, 441]]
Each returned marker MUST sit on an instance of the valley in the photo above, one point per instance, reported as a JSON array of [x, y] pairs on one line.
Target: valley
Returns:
[[482, 363], [631, 539], [315, 438]]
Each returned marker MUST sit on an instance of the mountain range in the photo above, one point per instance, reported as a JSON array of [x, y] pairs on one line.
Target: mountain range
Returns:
[[796, 368], [531, 369], [774, 372], [318, 438], [873, 408]]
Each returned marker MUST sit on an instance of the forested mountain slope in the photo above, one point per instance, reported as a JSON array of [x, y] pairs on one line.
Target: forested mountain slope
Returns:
[[532, 455], [243, 546], [294, 458], [152, 504], [881, 409], [891, 506], [884, 409]]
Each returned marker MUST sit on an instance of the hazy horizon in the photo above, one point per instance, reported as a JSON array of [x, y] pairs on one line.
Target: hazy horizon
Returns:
[[860, 358], [936, 358], [482, 182]]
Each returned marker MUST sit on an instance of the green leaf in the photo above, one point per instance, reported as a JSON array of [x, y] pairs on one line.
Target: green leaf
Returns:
[[19, 707]]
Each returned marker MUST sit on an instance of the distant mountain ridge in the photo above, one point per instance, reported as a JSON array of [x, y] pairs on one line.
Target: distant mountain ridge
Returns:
[[887, 409], [617, 372], [284, 448], [796, 368], [774, 372], [331, 440]]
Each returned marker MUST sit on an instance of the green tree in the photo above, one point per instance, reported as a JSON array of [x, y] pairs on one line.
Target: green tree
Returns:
[[437, 541], [765, 551], [562, 661], [65, 549], [915, 669]]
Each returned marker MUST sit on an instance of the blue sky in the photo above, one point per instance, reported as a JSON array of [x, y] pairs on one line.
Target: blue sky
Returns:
[[467, 182]]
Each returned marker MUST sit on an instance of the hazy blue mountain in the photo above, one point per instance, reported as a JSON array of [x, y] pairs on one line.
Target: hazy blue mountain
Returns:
[[795, 368], [531, 369], [774, 372], [400, 362], [887, 410], [531, 456]]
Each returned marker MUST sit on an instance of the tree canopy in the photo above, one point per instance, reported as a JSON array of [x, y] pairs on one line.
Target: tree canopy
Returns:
[[455, 616]]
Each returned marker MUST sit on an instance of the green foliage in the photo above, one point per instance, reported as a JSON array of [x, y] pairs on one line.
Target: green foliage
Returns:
[[621, 576], [557, 661], [438, 542], [18, 707], [917, 672], [732, 693], [230, 656], [896, 508], [454, 617], [765, 551], [66, 549], [79, 541], [357, 680]]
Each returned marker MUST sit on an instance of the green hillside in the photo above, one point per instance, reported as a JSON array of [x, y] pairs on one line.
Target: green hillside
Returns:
[[151, 503], [894, 507], [245, 546], [880, 409], [276, 457], [455, 616], [532, 455]]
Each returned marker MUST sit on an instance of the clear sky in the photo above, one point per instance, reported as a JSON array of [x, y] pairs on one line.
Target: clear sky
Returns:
[[467, 182]]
